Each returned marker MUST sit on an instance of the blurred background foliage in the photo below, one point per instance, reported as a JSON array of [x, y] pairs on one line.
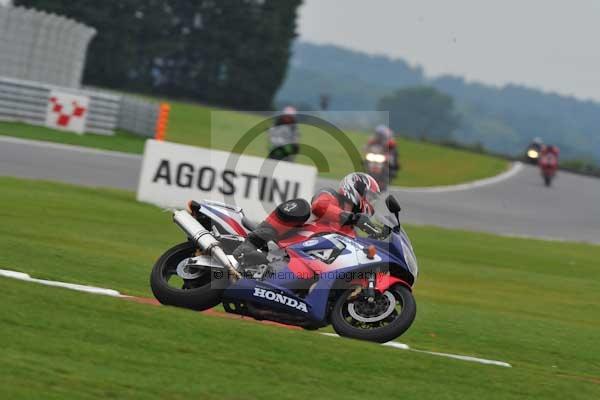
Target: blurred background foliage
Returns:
[[229, 52]]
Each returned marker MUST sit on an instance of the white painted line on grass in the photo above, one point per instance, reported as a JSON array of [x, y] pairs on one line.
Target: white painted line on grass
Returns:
[[113, 293], [80, 288], [515, 168], [396, 345], [69, 147], [402, 346], [466, 358]]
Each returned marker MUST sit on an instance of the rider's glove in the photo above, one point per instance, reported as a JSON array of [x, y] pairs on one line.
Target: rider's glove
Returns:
[[347, 218], [363, 222], [385, 232], [374, 231]]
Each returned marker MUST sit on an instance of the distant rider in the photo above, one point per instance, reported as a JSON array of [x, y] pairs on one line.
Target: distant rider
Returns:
[[537, 144], [341, 209], [534, 150], [549, 155], [284, 135], [384, 137]]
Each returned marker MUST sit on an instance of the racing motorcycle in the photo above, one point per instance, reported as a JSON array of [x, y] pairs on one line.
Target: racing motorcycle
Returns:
[[532, 154], [283, 143], [548, 165], [360, 283], [377, 165]]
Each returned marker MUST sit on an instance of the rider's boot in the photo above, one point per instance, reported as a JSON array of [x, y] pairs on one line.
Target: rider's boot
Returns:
[[249, 255]]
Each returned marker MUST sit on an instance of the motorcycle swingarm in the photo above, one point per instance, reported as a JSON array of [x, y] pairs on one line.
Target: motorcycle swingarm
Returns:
[[205, 261]]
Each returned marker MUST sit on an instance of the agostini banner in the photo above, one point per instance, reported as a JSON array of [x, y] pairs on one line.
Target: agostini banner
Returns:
[[173, 173]]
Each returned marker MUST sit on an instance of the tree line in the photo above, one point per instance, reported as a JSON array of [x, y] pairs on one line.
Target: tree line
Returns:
[[227, 52], [502, 120]]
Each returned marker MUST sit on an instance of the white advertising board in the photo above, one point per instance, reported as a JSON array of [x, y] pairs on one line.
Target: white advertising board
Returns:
[[173, 173], [67, 112]]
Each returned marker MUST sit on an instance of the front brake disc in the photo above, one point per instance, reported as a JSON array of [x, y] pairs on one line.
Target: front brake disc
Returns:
[[363, 318]]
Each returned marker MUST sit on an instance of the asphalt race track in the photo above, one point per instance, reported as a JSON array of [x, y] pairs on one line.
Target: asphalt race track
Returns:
[[519, 205]]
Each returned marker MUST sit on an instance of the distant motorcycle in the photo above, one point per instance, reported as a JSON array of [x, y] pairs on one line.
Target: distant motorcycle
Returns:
[[359, 283], [548, 164], [532, 154], [377, 165], [284, 143]]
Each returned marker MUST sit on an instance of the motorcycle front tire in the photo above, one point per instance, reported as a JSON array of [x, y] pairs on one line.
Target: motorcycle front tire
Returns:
[[394, 329]]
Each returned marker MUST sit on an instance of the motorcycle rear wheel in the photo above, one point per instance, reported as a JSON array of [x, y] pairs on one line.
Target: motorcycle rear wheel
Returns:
[[196, 294], [384, 330]]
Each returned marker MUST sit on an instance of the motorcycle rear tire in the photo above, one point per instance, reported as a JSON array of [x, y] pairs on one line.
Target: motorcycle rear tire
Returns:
[[199, 298]]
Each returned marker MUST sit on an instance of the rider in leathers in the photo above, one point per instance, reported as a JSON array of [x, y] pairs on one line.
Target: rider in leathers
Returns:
[[284, 135], [341, 209], [384, 137]]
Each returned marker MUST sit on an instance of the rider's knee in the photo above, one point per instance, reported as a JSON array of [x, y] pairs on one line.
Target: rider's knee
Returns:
[[294, 212]]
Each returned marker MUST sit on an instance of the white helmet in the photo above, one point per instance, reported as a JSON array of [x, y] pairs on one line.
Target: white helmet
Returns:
[[287, 116], [383, 132], [289, 110]]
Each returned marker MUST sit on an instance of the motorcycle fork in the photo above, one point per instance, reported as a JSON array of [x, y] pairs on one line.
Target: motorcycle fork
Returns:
[[366, 287], [371, 284]]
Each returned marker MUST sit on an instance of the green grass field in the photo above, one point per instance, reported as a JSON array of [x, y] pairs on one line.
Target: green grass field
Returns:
[[531, 303], [423, 164], [122, 141]]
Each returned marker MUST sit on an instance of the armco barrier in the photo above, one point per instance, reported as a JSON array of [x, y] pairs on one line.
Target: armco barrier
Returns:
[[138, 116], [27, 101]]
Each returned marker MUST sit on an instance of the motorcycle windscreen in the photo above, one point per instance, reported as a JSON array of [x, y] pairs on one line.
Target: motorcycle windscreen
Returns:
[[391, 243]]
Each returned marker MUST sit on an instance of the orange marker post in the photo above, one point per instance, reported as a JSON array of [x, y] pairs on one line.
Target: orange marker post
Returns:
[[162, 121]]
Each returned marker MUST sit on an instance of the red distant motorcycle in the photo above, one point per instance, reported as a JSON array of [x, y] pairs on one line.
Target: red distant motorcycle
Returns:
[[548, 164]]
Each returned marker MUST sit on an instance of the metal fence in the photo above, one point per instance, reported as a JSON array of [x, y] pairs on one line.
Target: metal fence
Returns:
[[27, 101], [42, 47], [138, 116]]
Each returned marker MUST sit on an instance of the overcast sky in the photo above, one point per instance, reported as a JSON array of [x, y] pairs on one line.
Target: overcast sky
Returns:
[[548, 44]]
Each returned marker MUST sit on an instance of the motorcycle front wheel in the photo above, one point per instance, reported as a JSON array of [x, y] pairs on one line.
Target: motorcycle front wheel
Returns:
[[384, 319], [197, 292]]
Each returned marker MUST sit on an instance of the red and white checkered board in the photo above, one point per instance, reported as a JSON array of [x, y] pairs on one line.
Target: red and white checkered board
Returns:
[[67, 112]]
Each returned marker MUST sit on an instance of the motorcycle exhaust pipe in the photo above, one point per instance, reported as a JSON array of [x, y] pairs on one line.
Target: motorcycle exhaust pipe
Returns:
[[205, 240]]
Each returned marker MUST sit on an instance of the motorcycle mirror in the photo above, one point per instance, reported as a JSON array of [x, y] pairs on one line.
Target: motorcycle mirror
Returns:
[[392, 204]]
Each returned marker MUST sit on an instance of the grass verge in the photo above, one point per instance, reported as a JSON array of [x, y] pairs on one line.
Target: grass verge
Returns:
[[527, 302], [121, 141]]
